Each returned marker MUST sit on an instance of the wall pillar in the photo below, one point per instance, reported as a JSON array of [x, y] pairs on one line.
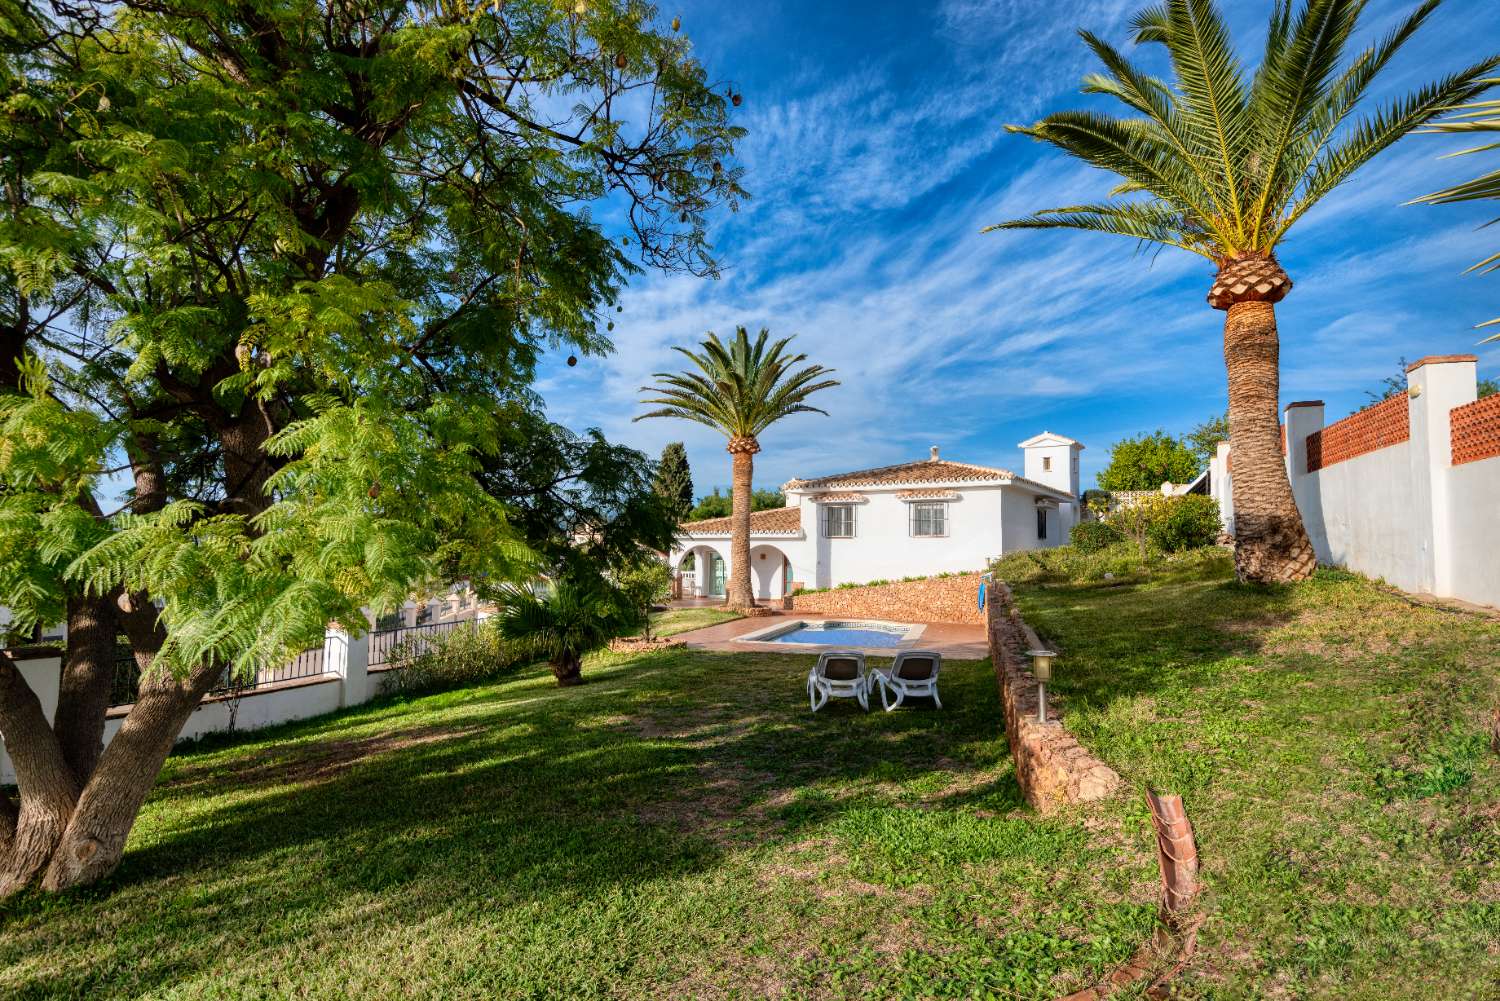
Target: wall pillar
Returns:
[[1301, 420], [349, 658], [1434, 386]]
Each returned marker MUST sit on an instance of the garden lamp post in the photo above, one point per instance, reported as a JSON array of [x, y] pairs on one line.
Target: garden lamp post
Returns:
[[1041, 668]]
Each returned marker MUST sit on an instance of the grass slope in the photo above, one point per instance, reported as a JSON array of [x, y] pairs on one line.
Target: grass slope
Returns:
[[1328, 741], [681, 826]]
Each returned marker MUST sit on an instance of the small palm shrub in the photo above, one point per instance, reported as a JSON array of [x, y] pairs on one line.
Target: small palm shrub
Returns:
[[465, 656], [1092, 536], [577, 617]]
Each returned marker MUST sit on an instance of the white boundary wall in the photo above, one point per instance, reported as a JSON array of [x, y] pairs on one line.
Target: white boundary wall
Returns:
[[346, 681], [1403, 513]]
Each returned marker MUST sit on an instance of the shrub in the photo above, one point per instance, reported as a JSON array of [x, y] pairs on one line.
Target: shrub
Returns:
[[1092, 536], [1188, 522], [466, 655]]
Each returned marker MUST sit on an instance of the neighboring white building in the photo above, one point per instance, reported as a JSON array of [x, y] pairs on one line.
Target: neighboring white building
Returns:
[[914, 519]]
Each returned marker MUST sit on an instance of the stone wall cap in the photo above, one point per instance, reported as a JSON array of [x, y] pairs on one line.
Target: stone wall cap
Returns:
[[1440, 360]]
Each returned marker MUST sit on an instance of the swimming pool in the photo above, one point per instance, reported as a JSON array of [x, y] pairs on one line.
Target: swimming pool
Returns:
[[837, 633]]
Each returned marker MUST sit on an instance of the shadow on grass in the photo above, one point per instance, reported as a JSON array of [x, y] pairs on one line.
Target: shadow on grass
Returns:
[[399, 813]]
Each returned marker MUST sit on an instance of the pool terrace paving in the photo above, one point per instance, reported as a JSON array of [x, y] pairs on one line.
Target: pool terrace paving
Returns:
[[952, 640]]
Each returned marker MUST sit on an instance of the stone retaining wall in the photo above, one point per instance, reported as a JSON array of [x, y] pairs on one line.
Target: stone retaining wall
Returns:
[[1052, 767], [934, 599]]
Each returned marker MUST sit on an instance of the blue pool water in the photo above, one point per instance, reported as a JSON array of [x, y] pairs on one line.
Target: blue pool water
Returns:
[[858, 634]]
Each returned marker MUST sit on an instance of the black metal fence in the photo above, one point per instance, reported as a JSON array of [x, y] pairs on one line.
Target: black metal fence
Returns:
[[387, 644], [307, 664]]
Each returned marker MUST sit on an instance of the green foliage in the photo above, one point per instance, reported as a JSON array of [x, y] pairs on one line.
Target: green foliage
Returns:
[[1187, 522], [1226, 160], [1147, 461], [1481, 120], [741, 388], [720, 505], [674, 479], [298, 283], [463, 656], [1203, 441], [643, 585], [1093, 536], [575, 617]]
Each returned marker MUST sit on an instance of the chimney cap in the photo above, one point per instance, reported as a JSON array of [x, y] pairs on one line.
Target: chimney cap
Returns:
[[934, 456]]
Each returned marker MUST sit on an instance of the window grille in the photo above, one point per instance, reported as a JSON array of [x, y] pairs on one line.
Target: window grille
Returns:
[[838, 521], [929, 519]]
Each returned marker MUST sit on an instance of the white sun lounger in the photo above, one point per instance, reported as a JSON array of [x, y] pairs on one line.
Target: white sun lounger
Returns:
[[913, 674], [839, 674]]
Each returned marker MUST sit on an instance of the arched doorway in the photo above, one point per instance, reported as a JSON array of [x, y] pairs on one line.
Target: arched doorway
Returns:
[[704, 573], [769, 571]]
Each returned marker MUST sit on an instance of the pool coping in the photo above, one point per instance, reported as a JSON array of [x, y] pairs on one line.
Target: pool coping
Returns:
[[910, 632]]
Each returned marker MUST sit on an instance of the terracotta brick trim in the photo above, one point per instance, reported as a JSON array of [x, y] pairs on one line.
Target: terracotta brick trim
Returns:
[[1385, 424], [1054, 770], [1475, 430]]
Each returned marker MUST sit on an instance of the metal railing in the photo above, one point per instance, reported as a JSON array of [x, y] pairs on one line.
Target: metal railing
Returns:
[[410, 640], [307, 664]]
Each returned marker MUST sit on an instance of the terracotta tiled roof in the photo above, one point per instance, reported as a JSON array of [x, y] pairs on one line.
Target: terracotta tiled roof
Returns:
[[778, 521], [845, 498], [932, 493], [923, 471]]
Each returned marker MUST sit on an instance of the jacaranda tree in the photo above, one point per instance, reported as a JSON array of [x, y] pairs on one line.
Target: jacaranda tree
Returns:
[[274, 279], [1222, 163]]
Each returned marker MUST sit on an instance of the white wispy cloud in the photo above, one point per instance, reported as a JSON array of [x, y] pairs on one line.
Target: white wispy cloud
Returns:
[[863, 240]]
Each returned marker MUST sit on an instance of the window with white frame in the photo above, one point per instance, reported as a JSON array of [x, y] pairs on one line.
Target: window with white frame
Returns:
[[838, 521], [929, 519], [1041, 523]]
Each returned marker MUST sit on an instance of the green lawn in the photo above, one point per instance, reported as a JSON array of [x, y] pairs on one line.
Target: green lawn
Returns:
[[1329, 742], [680, 826], [682, 620]]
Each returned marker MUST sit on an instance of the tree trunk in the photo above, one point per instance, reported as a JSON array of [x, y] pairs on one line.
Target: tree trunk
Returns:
[[567, 669], [87, 676], [48, 788], [740, 593], [95, 837], [1270, 544]]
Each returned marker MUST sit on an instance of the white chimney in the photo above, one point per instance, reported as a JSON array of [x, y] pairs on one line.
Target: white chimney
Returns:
[[934, 456]]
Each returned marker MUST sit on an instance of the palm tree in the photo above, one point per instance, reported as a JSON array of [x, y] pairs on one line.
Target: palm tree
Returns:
[[739, 390], [1226, 162], [1482, 120], [577, 617]]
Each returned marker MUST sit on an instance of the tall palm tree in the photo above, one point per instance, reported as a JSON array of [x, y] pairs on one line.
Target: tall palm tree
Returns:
[[740, 389], [1225, 162]]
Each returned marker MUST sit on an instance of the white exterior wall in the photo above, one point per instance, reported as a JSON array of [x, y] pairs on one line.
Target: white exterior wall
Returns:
[[1404, 513], [984, 522], [883, 547], [346, 682], [1474, 519]]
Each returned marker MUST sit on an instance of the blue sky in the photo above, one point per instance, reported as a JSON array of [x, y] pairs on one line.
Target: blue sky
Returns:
[[876, 154]]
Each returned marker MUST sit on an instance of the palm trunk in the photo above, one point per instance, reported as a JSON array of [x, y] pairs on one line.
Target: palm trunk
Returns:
[[740, 593], [567, 669], [1270, 544]]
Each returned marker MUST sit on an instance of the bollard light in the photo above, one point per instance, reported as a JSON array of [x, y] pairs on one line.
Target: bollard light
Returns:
[[1041, 669]]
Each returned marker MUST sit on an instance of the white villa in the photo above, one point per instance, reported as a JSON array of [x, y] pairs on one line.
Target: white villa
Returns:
[[914, 519]]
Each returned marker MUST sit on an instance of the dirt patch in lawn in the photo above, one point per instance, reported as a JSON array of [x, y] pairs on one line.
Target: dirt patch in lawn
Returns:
[[313, 762]]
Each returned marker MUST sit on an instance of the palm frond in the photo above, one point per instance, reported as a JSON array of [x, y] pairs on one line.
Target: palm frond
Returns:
[[742, 387]]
